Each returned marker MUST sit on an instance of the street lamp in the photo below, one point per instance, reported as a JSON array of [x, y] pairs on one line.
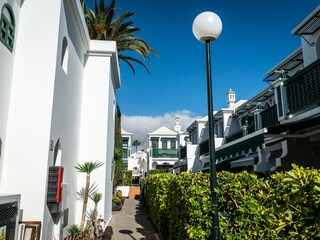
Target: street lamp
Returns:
[[206, 28]]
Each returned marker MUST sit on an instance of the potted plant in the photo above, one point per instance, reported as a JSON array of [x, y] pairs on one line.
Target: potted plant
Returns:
[[119, 195], [116, 203]]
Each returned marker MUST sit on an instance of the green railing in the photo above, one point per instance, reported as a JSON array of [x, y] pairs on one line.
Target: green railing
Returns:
[[269, 116], [204, 147], [303, 89], [183, 152], [251, 129], [164, 153], [234, 136], [239, 134]]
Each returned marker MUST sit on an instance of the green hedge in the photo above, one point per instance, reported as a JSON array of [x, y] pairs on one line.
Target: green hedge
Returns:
[[282, 206], [157, 171]]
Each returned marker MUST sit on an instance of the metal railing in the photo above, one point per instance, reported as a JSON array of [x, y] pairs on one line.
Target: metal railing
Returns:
[[183, 152], [234, 136], [303, 89], [164, 153], [204, 147], [269, 116]]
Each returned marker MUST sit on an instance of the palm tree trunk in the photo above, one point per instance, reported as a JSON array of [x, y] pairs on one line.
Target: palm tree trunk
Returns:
[[85, 201], [95, 212]]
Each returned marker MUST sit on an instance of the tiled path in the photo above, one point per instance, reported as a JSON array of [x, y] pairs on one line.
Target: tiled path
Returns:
[[134, 192], [131, 221]]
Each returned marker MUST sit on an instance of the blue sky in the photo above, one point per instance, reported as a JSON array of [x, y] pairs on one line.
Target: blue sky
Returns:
[[256, 35]]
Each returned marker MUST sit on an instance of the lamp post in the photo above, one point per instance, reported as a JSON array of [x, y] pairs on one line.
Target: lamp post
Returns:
[[206, 28]]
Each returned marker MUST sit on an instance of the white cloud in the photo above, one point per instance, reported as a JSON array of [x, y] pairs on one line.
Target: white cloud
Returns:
[[141, 125]]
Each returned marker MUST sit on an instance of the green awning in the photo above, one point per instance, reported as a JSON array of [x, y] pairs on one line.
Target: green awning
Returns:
[[241, 147]]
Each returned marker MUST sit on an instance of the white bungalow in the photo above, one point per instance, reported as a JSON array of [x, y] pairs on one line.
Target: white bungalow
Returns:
[[57, 102], [162, 145]]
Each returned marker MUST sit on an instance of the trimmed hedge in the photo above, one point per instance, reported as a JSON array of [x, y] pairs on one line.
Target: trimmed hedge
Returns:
[[282, 206]]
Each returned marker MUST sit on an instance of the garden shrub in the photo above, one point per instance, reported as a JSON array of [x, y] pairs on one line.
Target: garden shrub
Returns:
[[157, 171], [243, 213], [189, 207], [296, 203], [127, 178], [156, 200], [281, 206]]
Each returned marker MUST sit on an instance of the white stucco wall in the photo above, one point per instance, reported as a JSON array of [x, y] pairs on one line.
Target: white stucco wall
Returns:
[[310, 52], [6, 68], [65, 122], [43, 103], [25, 160], [97, 125], [28, 129]]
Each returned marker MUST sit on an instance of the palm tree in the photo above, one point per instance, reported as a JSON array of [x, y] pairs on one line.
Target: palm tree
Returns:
[[87, 168], [136, 143], [106, 23], [96, 198]]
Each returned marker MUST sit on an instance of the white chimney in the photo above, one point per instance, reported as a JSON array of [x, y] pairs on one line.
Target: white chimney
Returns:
[[231, 98]]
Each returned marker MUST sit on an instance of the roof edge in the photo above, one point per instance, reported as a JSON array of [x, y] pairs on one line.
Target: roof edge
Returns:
[[305, 21]]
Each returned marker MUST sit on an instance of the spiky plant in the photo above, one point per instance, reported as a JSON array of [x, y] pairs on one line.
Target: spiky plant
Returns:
[[96, 198], [81, 193], [73, 231], [87, 168]]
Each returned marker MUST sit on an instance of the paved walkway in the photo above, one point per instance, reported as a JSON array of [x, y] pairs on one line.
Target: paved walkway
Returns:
[[131, 222]]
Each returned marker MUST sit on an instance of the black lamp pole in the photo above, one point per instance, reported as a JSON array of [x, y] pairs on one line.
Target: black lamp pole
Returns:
[[213, 173]]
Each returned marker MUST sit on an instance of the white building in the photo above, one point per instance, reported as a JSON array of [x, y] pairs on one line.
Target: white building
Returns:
[[162, 148], [57, 102], [194, 156], [137, 163], [126, 147], [279, 125]]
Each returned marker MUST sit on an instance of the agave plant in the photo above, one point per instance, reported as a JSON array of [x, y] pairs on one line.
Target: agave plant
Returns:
[[73, 231]]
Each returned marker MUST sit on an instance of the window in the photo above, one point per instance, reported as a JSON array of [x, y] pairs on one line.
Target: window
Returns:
[[154, 143], [7, 27], [125, 142], [173, 144], [164, 144]]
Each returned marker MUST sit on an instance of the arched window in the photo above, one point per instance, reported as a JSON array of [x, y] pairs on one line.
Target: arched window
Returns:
[[7, 26]]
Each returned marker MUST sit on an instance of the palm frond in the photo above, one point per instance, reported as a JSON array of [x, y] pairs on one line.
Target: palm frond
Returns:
[[88, 167], [92, 190], [129, 58], [104, 23], [96, 197]]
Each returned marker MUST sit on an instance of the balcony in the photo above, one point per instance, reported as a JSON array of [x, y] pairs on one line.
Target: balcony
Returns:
[[234, 136], [303, 89], [183, 152], [164, 153], [204, 147], [269, 117]]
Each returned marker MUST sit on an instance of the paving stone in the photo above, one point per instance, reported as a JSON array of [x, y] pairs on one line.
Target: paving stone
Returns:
[[131, 222]]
